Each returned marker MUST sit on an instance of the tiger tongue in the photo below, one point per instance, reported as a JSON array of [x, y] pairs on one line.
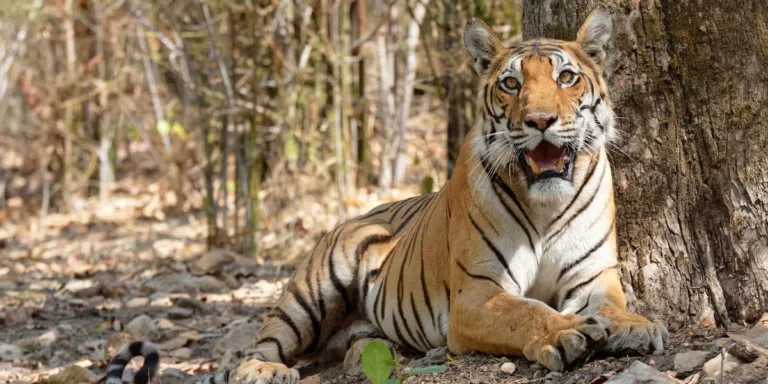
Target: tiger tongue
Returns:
[[546, 156]]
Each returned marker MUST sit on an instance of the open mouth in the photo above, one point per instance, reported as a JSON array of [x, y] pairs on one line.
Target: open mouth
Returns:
[[547, 161]]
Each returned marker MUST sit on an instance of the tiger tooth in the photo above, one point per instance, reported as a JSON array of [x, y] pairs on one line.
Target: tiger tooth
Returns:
[[560, 165], [534, 167]]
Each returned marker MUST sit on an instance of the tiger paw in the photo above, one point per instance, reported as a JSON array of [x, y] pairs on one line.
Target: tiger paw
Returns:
[[575, 339], [632, 334], [259, 372]]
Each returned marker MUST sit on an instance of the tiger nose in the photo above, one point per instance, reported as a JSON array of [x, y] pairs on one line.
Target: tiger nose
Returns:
[[540, 121]]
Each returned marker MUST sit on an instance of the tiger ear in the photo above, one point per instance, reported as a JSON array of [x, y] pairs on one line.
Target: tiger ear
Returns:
[[482, 44], [595, 33]]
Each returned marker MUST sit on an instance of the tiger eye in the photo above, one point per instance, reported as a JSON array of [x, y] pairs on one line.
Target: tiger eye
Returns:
[[566, 77], [511, 83]]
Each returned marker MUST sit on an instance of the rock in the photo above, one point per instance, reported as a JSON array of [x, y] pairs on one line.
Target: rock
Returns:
[[353, 360], [435, 356], [723, 342], [73, 374], [94, 349], [748, 351], [142, 328], [186, 283], [44, 340], [173, 376], [553, 375], [137, 302], [509, 368], [214, 261], [189, 303], [10, 352], [179, 313], [82, 288], [239, 338], [690, 360], [182, 353], [173, 344], [639, 373], [164, 324], [712, 367], [762, 341], [192, 335]]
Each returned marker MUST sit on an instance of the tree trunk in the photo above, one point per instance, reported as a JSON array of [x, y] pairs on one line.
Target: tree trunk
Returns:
[[689, 85], [412, 41]]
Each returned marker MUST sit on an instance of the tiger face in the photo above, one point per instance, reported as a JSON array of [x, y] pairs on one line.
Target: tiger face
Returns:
[[543, 104]]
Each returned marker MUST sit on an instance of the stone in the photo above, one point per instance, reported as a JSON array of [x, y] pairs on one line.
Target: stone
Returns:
[[690, 360], [142, 328], [173, 344], [509, 368], [762, 341], [82, 288], [553, 375], [73, 374], [353, 365], [10, 352], [186, 283], [189, 303], [173, 376], [239, 338], [712, 367], [214, 261], [182, 353], [640, 373], [164, 324], [179, 313], [44, 340], [137, 302], [314, 379], [748, 351]]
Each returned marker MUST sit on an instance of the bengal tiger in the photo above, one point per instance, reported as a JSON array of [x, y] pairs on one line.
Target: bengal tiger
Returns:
[[515, 255]]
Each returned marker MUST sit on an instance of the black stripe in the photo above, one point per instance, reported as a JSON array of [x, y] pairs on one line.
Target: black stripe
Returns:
[[418, 322], [589, 253], [551, 238], [399, 334], [448, 295], [499, 255], [409, 217], [287, 319], [575, 288], [135, 348], [517, 219], [576, 196], [364, 288], [497, 180], [479, 277], [279, 347], [315, 323], [339, 286]]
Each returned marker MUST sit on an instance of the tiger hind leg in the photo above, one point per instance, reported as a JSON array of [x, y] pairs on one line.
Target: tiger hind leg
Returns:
[[316, 309]]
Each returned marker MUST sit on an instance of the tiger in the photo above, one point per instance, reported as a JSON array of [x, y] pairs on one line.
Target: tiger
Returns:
[[516, 255]]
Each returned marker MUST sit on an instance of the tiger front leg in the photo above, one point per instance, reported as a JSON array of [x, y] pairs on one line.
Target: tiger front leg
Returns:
[[630, 333], [487, 319]]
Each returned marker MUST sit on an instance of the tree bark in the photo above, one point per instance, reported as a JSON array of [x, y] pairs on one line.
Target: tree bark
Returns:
[[689, 83]]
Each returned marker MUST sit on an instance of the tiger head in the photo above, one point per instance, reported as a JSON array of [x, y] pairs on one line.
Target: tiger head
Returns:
[[543, 105]]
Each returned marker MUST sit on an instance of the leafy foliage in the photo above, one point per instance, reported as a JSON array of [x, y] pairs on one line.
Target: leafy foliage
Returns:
[[378, 361]]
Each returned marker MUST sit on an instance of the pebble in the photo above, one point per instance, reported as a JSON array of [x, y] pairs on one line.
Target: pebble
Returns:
[[137, 302], [142, 328], [712, 367], [179, 313], [182, 353], [509, 368], [638, 373], [10, 352], [690, 360]]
